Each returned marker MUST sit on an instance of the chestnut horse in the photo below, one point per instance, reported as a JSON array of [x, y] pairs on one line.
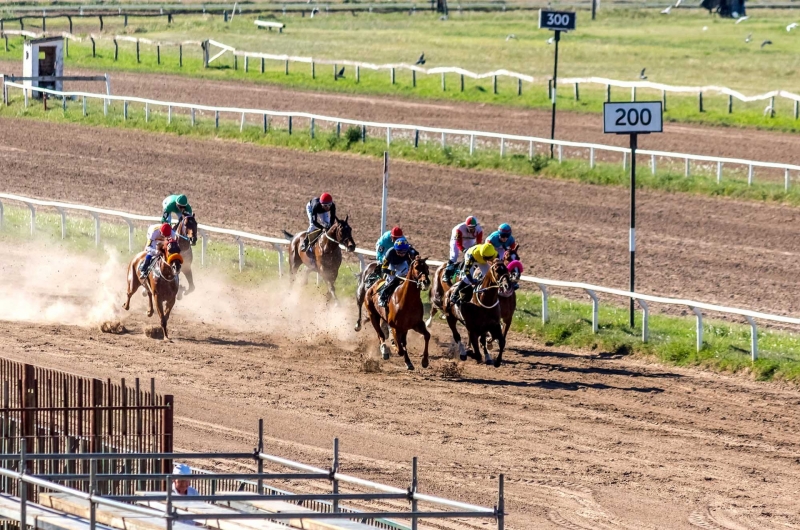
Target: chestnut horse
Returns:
[[404, 311], [361, 289], [161, 282], [187, 232], [439, 289], [327, 254], [481, 314]]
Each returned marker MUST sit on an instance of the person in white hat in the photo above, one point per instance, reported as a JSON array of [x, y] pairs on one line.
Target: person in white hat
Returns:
[[180, 486]]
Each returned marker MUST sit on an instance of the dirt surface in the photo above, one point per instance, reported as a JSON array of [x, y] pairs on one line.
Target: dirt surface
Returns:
[[585, 441], [581, 127], [707, 249]]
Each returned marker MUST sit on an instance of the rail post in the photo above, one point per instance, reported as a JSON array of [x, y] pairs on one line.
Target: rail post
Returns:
[[203, 246], [494, 84], [246, 63], [393, 76], [444, 141], [130, 234], [687, 167], [168, 508], [560, 153], [502, 147], [193, 117], [698, 327], [501, 503], [645, 320], [545, 306], [664, 100], [146, 112], [334, 470], [591, 157], [796, 103], [116, 50], [595, 308], [180, 56], [653, 164], [290, 125], [530, 150], [462, 82], [700, 101], [577, 93], [750, 175], [412, 491], [1, 215], [263, 65], [22, 487], [105, 107], [624, 160], [519, 87], [96, 229], [388, 136], [265, 123], [444, 87], [92, 493], [358, 74], [471, 144], [158, 53], [633, 93], [772, 107], [169, 114], [94, 50], [416, 138], [786, 179], [138, 58], [279, 249], [385, 195], [32, 208], [311, 128], [313, 71], [241, 253], [63, 221], [730, 104], [286, 67], [753, 338], [241, 125], [259, 450], [25, 92], [414, 81], [216, 119], [719, 172], [124, 110]]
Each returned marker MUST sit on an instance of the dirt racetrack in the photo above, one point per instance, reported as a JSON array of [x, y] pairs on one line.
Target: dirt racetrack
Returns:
[[708, 249], [580, 127], [586, 441]]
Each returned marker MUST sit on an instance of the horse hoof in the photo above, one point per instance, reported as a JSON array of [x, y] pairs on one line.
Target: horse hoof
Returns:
[[490, 345], [497, 363], [489, 362], [358, 327], [150, 313], [385, 351], [409, 367], [428, 322], [424, 362], [463, 357]]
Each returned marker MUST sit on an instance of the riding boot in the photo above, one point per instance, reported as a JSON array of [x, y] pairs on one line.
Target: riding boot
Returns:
[[385, 293], [304, 244], [515, 286], [448, 271], [455, 298], [143, 268]]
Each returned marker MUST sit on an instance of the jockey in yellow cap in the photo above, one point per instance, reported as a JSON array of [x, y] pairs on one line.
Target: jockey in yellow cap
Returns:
[[479, 256]]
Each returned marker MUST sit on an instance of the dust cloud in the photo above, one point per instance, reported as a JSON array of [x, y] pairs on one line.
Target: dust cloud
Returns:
[[51, 285]]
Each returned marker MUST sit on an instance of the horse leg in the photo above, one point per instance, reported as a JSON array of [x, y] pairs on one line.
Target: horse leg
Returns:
[[165, 318], [375, 319], [133, 286], [150, 300], [487, 357], [502, 343], [475, 352], [434, 309], [451, 321], [360, 293], [332, 292], [401, 338], [422, 329], [187, 271]]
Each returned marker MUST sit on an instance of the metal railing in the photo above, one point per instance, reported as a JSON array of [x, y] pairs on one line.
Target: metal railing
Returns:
[[265, 116], [362, 254], [171, 513]]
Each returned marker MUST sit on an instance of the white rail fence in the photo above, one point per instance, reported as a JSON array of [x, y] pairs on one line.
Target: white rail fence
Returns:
[[443, 70], [467, 136], [542, 284]]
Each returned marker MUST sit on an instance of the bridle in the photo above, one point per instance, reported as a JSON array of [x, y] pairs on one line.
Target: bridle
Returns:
[[420, 281], [495, 285]]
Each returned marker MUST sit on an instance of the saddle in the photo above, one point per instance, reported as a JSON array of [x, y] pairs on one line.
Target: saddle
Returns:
[[370, 279]]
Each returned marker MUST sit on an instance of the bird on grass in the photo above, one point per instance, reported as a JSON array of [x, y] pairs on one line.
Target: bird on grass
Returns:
[[748, 38], [791, 26], [510, 36], [641, 74], [667, 10], [550, 40], [421, 59], [314, 12], [340, 73], [765, 43], [741, 19]]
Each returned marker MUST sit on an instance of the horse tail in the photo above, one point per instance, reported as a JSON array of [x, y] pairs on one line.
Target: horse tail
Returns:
[[288, 235]]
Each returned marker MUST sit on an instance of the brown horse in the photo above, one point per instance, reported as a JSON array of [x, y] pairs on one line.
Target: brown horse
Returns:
[[481, 314], [161, 283], [327, 254], [187, 232], [508, 301], [439, 289], [404, 311], [362, 288]]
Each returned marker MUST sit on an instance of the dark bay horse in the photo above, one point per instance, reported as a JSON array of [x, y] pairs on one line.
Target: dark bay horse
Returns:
[[327, 254], [161, 284], [404, 311], [481, 314], [187, 233], [362, 287], [439, 288], [508, 301]]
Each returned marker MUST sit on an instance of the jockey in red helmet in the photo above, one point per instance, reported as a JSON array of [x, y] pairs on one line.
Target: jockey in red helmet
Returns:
[[464, 236], [321, 213], [156, 235]]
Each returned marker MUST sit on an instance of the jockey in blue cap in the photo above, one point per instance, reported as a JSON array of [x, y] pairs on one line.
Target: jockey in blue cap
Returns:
[[394, 264], [501, 239]]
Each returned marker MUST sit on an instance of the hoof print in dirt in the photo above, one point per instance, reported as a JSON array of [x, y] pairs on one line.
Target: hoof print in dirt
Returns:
[[154, 332], [115, 328], [449, 370]]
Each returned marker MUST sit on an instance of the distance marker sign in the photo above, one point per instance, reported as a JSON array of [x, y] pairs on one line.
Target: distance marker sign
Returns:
[[556, 20], [640, 117]]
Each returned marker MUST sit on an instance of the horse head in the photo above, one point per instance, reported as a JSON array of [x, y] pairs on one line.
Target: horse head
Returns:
[[512, 254], [173, 256], [420, 273], [187, 228], [343, 234], [500, 275]]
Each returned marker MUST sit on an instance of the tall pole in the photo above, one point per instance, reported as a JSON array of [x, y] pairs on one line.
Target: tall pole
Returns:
[[594, 9], [553, 93], [385, 197], [634, 142]]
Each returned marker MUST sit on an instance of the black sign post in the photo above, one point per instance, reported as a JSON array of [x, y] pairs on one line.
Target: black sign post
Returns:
[[557, 21], [634, 118]]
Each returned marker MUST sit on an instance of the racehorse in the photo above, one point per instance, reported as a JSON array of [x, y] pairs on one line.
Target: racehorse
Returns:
[[187, 232], [361, 290], [481, 314], [403, 312], [439, 288], [327, 254], [162, 282], [508, 301]]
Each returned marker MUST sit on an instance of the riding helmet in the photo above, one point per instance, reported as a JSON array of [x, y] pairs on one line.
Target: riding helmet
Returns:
[[505, 229], [326, 198], [472, 221], [166, 230], [182, 201], [401, 245], [397, 232]]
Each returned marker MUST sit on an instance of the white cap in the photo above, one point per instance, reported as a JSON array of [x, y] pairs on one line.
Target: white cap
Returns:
[[181, 469]]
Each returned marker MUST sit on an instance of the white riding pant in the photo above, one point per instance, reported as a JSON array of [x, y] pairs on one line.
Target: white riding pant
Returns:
[[454, 252], [397, 270], [483, 267]]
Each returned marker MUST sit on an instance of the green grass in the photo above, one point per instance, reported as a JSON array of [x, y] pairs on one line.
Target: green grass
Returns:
[[672, 338], [767, 186], [674, 49]]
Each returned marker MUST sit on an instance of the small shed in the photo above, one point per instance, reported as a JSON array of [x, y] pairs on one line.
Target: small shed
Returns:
[[43, 58]]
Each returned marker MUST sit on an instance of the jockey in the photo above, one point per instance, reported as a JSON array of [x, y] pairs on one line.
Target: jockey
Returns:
[[321, 213], [501, 240], [464, 236], [394, 264], [156, 235], [479, 256], [175, 204], [386, 242]]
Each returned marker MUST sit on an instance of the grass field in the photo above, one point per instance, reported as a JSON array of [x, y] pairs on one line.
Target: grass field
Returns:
[[675, 49], [672, 338]]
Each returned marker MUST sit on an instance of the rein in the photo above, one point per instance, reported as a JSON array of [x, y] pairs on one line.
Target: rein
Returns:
[[480, 290]]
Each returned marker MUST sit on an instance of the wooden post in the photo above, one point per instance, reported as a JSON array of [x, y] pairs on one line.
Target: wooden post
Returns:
[[101, 22], [413, 75], [519, 87], [138, 59], [94, 53], [116, 50], [608, 92], [262, 65], [167, 419], [700, 101], [462, 82], [577, 93], [494, 84], [158, 53], [313, 71], [180, 56], [730, 104], [443, 83]]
